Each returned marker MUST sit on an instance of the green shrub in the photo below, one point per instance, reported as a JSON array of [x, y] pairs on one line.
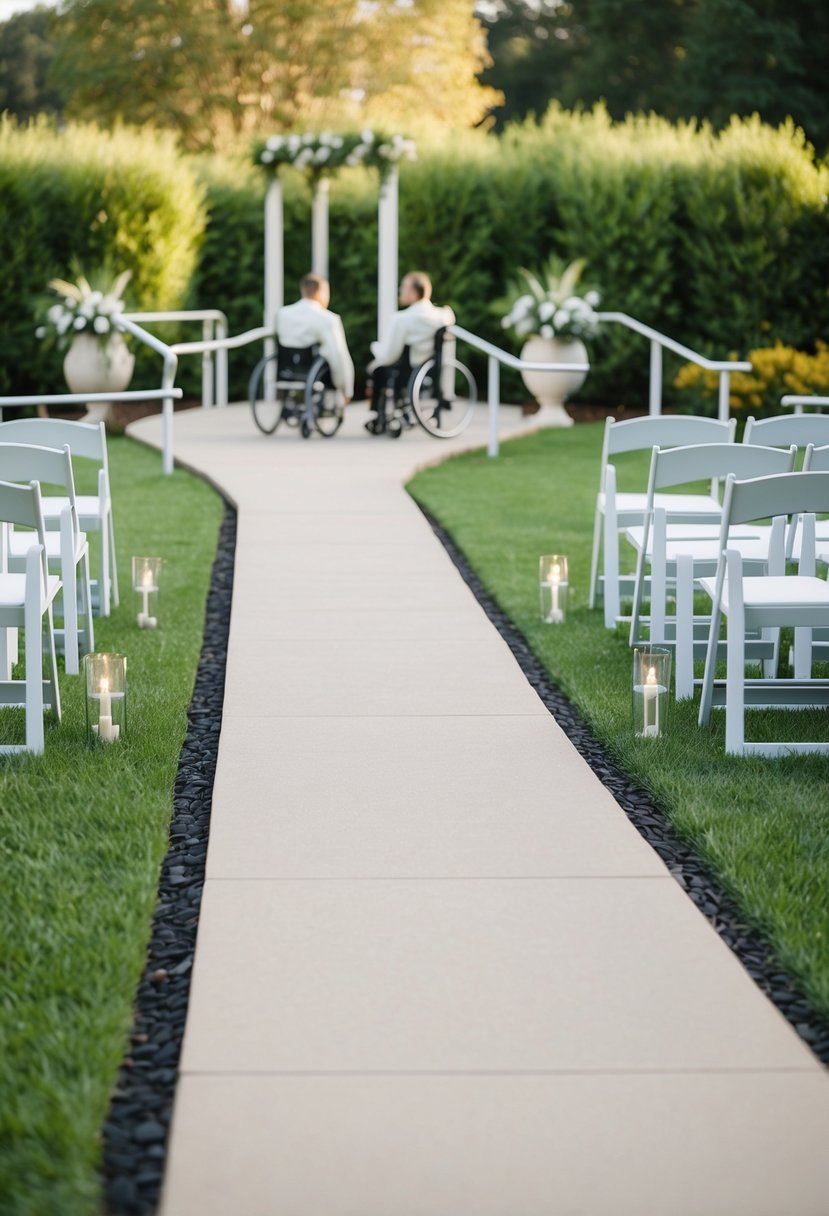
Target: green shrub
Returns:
[[124, 198], [776, 371]]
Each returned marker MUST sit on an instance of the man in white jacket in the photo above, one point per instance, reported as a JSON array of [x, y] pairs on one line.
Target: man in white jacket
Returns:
[[310, 323], [410, 340]]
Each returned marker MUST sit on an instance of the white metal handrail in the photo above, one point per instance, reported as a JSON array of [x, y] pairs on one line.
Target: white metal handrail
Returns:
[[496, 357], [214, 325], [658, 341], [799, 401]]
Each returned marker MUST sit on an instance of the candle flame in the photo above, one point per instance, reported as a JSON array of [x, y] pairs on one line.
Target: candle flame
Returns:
[[147, 580], [104, 685], [555, 573], [651, 676]]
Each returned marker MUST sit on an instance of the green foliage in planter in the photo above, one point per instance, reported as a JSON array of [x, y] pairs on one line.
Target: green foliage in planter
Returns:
[[126, 199]]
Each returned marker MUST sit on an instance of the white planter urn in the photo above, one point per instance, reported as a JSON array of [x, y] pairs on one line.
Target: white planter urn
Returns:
[[551, 389], [91, 366]]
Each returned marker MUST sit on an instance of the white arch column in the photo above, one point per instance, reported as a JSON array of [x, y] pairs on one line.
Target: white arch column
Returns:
[[274, 252], [319, 227], [387, 253]]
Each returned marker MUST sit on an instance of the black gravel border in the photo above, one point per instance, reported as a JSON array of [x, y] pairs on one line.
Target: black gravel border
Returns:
[[135, 1133], [136, 1130], [650, 822]]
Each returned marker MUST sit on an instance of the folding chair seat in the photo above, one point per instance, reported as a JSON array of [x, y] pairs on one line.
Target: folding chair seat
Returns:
[[617, 511], [678, 554], [26, 601], [772, 600], [87, 440], [67, 551]]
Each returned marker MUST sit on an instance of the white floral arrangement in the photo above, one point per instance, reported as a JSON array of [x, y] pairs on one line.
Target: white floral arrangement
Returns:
[[550, 304], [83, 308], [323, 154]]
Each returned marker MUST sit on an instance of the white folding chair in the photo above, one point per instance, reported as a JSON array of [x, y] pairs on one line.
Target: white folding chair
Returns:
[[785, 429], [25, 602], [88, 440], [616, 511], [67, 551], [772, 600], [679, 554]]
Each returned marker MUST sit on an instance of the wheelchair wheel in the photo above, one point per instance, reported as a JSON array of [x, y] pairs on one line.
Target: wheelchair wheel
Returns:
[[266, 414], [323, 404], [443, 416]]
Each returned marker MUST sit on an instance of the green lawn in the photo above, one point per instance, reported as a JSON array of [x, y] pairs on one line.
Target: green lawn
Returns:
[[762, 825], [82, 836]]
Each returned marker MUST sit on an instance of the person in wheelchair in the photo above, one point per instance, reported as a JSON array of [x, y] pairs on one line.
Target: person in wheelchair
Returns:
[[308, 328], [409, 342]]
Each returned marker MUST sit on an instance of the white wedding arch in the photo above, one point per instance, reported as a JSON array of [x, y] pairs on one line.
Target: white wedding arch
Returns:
[[320, 156]]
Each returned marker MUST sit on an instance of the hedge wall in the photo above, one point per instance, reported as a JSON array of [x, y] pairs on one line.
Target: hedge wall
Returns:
[[124, 198], [718, 240]]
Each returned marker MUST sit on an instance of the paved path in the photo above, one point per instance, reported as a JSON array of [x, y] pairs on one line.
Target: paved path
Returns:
[[438, 973]]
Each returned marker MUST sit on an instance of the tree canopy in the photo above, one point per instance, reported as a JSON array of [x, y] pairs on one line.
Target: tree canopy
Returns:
[[220, 69], [707, 59]]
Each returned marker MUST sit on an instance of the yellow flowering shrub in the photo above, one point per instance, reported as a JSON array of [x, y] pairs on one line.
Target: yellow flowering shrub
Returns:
[[776, 371]]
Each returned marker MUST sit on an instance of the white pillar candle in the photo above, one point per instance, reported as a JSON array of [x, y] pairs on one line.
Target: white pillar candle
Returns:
[[651, 695], [145, 621], [106, 731], [554, 581]]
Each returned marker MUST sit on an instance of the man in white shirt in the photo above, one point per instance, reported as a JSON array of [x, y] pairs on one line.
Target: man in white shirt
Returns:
[[310, 323], [410, 340]]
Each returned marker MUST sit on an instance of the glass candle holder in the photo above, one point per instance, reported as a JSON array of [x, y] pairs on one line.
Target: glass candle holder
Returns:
[[106, 697], [553, 586], [146, 572], [651, 686]]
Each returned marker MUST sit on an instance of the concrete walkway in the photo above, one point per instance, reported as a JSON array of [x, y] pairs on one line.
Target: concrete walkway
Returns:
[[438, 973]]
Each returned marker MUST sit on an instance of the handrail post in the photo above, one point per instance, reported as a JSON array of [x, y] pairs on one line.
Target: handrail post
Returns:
[[167, 381], [493, 396], [724, 405], [655, 397], [206, 366], [221, 361]]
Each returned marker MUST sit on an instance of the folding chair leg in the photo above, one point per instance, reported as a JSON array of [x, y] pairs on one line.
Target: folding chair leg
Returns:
[[684, 634], [612, 604], [33, 653], [86, 606], [113, 564], [52, 678], [735, 677], [8, 651], [707, 695], [70, 620], [103, 574], [594, 561], [659, 577], [802, 653]]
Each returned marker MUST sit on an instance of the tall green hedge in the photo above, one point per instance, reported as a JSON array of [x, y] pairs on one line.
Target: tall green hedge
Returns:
[[719, 241], [126, 198]]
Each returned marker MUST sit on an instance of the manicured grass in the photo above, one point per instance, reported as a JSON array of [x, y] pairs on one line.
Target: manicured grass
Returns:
[[762, 825], [82, 836]]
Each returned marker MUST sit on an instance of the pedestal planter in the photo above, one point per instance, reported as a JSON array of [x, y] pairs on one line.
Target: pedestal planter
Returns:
[[91, 366], [551, 389]]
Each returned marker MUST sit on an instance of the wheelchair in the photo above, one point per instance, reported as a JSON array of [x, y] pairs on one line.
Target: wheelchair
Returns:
[[294, 385], [440, 395]]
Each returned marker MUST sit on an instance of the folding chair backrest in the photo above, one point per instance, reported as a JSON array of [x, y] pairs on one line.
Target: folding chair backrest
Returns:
[[816, 459], [678, 466], [785, 429], [25, 462], [782, 494], [20, 504], [87, 439], [664, 431]]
